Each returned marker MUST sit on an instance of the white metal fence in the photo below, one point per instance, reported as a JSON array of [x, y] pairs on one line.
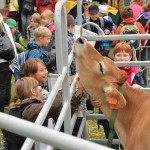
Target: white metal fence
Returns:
[[37, 133]]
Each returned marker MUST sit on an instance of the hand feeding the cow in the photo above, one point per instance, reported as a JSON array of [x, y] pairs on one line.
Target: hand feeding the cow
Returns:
[[103, 80]]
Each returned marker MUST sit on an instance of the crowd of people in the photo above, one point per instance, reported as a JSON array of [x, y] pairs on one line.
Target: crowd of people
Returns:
[[32, 32]]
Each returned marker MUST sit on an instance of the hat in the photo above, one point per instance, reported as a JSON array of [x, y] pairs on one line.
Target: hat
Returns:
[[11, 23], [93, 9], [85, 2], [103, 9]]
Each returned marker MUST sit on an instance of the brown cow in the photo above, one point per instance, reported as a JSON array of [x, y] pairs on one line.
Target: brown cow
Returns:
[[102, 79]]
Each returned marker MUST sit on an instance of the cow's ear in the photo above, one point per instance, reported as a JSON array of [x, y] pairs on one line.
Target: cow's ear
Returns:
[[102, 67], [116, 100]]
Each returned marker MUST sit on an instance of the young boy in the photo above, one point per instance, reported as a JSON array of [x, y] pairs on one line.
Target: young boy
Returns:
[[42, 38], [19, 41], [105, 25], [127, 17]]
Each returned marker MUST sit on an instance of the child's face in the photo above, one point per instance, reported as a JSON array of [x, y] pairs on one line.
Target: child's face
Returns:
[[122, 56], [94, 16], [46, 21], [13, 30], [34, 23], [85, 6], [38, 93], [41, 74], [44, 41]]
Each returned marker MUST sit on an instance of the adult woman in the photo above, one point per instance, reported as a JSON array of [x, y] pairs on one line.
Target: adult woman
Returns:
[[4, 66]]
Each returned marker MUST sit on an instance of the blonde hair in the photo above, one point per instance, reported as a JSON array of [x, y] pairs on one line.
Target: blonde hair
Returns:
[[23, 87], [42, 32], [47, 14], [1, 22], [36, 17]]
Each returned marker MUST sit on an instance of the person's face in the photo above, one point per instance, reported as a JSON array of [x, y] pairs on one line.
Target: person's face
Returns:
[[94, 16], [85, 6], [38, 93], [44, 41], [41, 74], [13, 30], [45, 21], [34, 23], [122, 56]]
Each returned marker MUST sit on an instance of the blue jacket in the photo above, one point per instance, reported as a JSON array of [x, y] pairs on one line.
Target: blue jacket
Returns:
[[36, 51]]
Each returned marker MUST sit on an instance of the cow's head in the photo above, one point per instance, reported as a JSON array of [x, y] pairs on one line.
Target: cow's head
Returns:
[[100, 77]]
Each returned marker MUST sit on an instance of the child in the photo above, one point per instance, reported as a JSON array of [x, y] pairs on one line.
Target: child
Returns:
[[85, 14], [47, 20], [31, 100], [123, 52], [42, 38], [105, 25], [34, 23], [127, 16], [19, 42], [71, 40]]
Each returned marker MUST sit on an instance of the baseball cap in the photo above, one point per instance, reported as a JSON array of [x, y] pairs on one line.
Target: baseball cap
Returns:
[[93, 9], [103, 9], [85, 2], [11, 23]]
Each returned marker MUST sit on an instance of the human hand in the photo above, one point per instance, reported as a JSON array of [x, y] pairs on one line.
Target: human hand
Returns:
[[17, 45], [106, 32], [136, 86]]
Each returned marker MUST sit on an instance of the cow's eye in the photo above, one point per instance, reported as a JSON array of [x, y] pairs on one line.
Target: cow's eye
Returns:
[[101, 68]]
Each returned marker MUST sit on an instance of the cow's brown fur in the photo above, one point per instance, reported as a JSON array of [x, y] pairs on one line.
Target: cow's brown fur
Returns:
[[132, 123]]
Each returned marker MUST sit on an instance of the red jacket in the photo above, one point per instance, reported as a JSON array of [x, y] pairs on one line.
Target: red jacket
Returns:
[[130, 21], [41, 8]]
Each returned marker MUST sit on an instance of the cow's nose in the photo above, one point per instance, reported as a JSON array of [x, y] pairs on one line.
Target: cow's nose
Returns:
[[80, 40]]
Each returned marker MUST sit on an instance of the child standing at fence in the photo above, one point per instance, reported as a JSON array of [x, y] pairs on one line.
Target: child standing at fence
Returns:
[[34, 23], [123, 52]]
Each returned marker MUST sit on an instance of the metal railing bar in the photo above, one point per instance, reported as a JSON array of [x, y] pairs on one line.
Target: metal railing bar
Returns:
[[104, 141], [46, 135], [42, 115], [133, 63], [73, 120], [61, 116], [82, 125], [117, 37]]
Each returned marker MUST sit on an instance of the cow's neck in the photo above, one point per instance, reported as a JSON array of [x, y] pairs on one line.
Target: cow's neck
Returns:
[[125, 116]]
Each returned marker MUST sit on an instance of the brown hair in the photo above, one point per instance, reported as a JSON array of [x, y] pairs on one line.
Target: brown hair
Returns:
[[126, 12], [70, 20], [146, 7], [122, 46], [42, 32], [30, 67], [36, 17], [47, 14], [140, 2], [23, 87]]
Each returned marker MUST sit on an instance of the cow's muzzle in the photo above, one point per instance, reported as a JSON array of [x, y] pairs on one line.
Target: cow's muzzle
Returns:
[[80, 40]]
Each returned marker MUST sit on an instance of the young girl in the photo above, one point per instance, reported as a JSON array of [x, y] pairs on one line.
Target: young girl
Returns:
[[123, 52], [34, 23]]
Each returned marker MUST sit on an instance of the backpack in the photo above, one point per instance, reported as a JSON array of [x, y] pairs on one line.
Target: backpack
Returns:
[[6, 47], [28, 6], [132, 29]]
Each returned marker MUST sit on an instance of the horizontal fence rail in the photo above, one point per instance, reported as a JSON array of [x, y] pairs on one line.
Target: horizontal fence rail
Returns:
[[45, 135]]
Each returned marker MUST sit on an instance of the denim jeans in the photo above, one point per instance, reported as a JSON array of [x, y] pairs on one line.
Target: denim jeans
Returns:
[[4, 75], [25, 22]]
